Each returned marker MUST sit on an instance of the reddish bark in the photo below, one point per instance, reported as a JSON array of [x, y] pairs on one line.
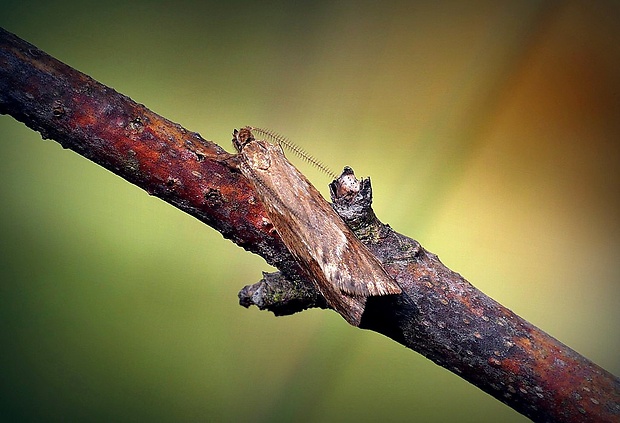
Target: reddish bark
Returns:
[[160, 156], [441, 315]]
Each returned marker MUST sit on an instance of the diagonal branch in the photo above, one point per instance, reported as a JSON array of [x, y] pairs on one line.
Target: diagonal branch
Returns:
[[440, 314]]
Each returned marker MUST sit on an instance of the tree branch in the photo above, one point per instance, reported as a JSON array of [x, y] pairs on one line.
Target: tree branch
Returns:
[[439, 315]]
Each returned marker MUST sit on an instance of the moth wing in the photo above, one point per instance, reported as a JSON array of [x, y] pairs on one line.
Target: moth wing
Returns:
[[341, 267], [354, 269], [348, 306], [322, 241]]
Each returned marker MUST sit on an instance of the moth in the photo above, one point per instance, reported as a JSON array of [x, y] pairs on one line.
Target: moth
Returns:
[[342, 269]]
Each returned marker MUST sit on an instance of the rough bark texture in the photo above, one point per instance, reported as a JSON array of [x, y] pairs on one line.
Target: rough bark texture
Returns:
[[440, 314], [445, 318], [159, 156]]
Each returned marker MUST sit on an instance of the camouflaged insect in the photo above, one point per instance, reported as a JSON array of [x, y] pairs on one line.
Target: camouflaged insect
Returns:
[[339, 265]]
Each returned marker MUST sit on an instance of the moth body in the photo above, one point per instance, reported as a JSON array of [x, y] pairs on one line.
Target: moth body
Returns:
[[340, 266]]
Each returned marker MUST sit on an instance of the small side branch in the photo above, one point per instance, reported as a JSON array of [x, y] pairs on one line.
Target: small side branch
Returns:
[[280, 295], [440, 314]]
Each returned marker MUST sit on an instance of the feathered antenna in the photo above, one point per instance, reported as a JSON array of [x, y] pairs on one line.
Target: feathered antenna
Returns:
[[283, 141]]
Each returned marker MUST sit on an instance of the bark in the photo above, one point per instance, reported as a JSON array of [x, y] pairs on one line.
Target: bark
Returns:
[[439, 314]]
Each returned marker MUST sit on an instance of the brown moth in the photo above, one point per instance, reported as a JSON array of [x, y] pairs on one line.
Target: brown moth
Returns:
[[342, 268]]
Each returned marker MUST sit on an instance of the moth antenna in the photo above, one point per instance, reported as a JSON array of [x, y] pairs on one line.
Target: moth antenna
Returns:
[[291, 146]]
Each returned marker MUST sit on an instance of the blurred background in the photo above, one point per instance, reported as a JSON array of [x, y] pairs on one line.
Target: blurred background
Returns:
[[491, 131]]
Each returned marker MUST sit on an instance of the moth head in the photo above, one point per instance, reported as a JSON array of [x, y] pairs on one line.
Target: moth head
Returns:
[[241, 138]]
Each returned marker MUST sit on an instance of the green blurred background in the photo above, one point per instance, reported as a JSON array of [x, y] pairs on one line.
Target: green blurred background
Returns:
[[491, 131]]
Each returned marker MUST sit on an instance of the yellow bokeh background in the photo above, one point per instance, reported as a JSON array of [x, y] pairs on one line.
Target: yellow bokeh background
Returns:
[[491, 131]]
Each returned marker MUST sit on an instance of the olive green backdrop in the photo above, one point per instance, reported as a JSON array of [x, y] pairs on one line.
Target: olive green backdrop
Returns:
[[491, 131]]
